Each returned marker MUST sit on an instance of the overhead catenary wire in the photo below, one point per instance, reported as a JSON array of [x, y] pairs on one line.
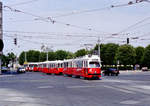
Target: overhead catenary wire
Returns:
[[24, 3], [97, 9], [36, 42], [49, 19], [53, 21], [132, 26]]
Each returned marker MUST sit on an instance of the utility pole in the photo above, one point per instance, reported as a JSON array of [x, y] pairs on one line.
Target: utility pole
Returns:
[[47, 55], [25, 55], [1, 32], [128, 41], [99, 47], [99, 54]]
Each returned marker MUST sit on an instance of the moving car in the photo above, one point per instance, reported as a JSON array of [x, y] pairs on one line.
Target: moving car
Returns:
[[21, 70], [144, 68], [111, 71]]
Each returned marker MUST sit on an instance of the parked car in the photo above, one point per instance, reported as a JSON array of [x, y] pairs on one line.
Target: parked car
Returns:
[[5, 69], [111, 71], [144, 68], [21, 70]]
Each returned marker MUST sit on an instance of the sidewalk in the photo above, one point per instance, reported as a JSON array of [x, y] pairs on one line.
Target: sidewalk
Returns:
[[130, 71], [4, 75]]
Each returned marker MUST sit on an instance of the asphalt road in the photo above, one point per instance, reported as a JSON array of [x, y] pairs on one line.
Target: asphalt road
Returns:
[[38, 89]]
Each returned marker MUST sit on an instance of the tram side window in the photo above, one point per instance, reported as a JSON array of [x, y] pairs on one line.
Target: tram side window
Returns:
[[35, 65], [44, 65], [70, 64], [31, 65], [79, 64], [85, 64], [48, 65], [61, 65], [25, 65], [58, 65], [66, 64], [94, 65]]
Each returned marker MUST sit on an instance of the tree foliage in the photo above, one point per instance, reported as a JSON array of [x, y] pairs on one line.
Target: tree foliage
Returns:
[[126, 55], [107, 53], [110, 53], [33, 56], [146, 57], [22, 58], [42, 56], [81, 52], [139, 54], [61, 54], [51, 56], [10, 57]]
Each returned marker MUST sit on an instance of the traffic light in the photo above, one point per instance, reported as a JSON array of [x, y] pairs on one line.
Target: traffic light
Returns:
[[127, 40], [1, 45], [15, 41]]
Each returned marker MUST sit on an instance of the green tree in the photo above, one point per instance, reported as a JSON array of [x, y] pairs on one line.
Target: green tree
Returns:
[[22, 58], [139, 54], [11, 56], [107, 53], [33, 56], [61, 54], [70, 55], [81, 52], [42, 57], [51, 56], [146, 57], [5, 60], [126, 55]]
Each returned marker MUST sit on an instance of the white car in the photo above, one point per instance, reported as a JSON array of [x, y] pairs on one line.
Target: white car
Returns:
[[21, 70]]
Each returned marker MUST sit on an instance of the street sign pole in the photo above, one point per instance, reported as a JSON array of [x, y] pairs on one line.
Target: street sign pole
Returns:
[[0, 65], [1, 35]]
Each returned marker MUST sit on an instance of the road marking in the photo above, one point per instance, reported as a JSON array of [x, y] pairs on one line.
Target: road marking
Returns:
[[130, 102], [143, 87], [14, 96], [119, 89], [1, 76], [42, 87], [80, 86], [137, 89]]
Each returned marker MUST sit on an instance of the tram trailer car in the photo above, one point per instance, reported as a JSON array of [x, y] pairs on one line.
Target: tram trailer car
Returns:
[[32, 66], [68, 67], [52, 67], [59, 67]]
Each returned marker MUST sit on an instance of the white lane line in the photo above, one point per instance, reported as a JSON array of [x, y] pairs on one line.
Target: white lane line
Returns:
[[14, 97], [43, 87], [1, 76], [119, 89], [130, 102], [136, 89], [146, 87], [80, 86]]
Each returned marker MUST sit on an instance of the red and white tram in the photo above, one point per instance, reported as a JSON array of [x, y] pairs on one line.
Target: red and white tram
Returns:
[[88, 67]]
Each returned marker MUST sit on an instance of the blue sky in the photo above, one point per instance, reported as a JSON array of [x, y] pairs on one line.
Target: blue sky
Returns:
[[103, 23]]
